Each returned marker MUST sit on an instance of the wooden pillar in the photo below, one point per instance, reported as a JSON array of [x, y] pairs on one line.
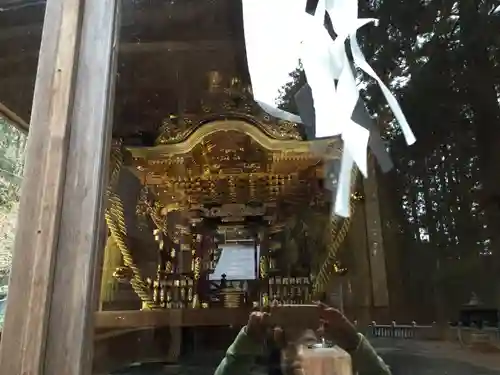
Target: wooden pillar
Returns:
[[375, 240], [54, 287], [358, 293]]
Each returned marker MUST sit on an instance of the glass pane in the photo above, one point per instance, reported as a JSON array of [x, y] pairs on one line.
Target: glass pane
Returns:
[[220, 204], [20, 35]]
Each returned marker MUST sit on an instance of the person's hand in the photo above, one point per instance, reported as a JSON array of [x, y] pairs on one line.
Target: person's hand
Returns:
[[258, 325], [338, 327]]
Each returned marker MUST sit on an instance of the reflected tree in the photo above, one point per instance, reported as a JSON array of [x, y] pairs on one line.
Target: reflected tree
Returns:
[[439, 212], [12, 145]]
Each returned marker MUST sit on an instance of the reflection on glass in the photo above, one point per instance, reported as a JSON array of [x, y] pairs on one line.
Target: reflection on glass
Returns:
[[12, 145], [207, 215], [215, 207], [20, 36]]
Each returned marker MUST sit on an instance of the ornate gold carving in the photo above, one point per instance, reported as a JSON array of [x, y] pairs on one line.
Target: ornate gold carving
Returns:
[[282, 129], [173, 133], [197, 268], [213, 166], [233, 209], [123, 274], [263, 266], [236, 102], [278, 147], [214, 81], [169, 267]]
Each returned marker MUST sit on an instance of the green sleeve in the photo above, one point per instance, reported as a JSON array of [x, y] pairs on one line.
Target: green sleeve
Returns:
[[240, 357], [365, 360]]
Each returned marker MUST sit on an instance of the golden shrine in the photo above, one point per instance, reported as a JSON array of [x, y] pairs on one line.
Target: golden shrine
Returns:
[[233, 175], [230, 175]]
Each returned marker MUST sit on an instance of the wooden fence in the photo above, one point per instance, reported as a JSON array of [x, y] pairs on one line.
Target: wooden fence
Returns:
[[403, 331], [465, 336]]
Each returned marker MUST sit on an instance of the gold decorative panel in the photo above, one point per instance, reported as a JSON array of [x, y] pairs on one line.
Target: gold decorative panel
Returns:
[[230, 162]]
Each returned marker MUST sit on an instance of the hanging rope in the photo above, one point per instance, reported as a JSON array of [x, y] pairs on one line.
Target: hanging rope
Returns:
[[338, 236], [115, 219], [112, 256], [112, 260]]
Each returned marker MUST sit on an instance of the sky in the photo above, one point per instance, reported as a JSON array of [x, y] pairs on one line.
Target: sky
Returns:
[[273, 44]]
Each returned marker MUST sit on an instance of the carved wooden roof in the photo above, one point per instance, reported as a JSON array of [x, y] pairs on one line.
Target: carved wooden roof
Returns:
[[228, 162]]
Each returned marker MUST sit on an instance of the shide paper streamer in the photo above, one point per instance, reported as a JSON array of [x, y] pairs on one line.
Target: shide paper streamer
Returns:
[[278, 33]]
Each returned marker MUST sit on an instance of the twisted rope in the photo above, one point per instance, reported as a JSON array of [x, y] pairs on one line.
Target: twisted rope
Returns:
[[338, 236], [115, 219]]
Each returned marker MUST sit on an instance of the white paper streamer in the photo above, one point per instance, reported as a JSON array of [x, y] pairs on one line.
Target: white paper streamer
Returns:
[[325, 61], [344, 187], [360, 61]]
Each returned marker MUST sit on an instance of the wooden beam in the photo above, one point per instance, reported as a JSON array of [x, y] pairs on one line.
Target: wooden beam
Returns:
[[83, 230], [293, 315], [114, 333], [24, 333], [201, 46], [179, 46], [48, 323], [172, 318]]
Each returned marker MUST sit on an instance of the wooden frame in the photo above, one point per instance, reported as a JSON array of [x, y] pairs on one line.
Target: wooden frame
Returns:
[[49, 318]]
